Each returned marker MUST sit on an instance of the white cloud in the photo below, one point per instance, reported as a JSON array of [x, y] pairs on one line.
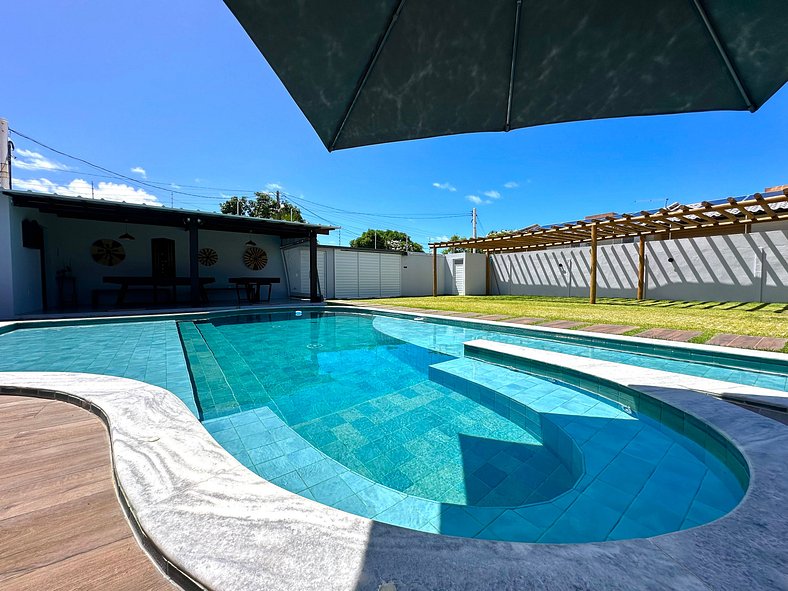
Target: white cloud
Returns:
[[274, 187], [445, 187], [474, 199], [511, 185], [29, 160], [493, 194], [140, 171], [81, 188]]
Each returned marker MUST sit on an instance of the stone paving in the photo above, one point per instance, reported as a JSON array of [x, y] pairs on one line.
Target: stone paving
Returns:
[[610, 328], [562, 324], [747, 342], [667, 334]]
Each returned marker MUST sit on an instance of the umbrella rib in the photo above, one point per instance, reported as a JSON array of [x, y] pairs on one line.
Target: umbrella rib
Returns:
[[724, 54], [508, 125], [367, 71]]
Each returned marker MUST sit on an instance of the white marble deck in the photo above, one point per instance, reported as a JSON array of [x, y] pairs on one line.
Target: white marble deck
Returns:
[[231, 530]]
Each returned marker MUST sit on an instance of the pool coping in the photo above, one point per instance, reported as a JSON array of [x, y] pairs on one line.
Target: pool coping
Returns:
[[227, 528]]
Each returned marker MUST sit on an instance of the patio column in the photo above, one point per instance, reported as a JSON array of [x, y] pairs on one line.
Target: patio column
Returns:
[[642, 268], [434, 271], [314, 295], [194, 267], [592, 278]]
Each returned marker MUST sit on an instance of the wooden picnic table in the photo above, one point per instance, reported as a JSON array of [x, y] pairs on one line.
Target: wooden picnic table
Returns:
[[156, 283], [252, 286]]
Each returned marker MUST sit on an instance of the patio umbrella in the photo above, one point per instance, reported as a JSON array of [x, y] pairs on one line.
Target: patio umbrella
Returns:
[[371, 71]]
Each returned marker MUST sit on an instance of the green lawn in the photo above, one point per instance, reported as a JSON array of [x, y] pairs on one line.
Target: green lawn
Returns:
[[710, 317]]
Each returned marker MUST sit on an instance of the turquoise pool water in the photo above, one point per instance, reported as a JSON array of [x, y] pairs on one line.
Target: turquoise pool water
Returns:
[[384, 417]]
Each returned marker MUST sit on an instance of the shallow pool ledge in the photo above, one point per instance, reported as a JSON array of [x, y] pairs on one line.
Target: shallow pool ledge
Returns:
[[204, 514], [626, 374]]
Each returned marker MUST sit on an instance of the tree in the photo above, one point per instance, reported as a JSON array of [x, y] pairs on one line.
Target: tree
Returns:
[[494, 233], [386, 240], [264, 205], [453, 249]]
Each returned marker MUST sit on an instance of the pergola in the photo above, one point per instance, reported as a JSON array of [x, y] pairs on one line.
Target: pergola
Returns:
[[191, 221], [676, 221]]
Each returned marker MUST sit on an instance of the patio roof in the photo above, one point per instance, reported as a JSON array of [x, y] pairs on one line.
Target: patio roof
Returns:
[[675, 221], [715, 217], [151, 215]]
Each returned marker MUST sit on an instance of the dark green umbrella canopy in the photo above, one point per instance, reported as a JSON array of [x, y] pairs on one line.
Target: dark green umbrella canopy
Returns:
[[372, 71]]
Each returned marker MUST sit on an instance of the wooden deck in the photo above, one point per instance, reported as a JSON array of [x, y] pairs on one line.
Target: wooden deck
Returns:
[[61, 524]]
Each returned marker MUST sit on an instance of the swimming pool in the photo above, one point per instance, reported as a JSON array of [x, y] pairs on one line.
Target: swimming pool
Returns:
[[385, 418]]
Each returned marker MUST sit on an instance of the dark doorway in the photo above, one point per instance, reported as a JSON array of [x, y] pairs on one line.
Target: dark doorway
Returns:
[[162, 257]]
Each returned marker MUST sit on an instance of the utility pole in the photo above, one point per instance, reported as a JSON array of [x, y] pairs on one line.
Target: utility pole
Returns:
[[375, 232], [5, 156], [92, 193], [237, 206], [473, 222]]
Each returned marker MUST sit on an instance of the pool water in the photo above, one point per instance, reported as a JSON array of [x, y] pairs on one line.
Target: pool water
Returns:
[[383, 417]]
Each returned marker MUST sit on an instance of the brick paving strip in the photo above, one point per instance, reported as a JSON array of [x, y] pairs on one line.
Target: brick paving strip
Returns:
[[526, 320], [562, 324], [61, 525], [748, 342], [669, 334], [610, 328], [492, 317]]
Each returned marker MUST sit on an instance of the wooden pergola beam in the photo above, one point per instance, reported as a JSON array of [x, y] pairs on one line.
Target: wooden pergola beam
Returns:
[[706, 215]]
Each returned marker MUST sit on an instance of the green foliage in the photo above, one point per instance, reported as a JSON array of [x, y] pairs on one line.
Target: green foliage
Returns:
[[386, 240], [264, 205], [495, 233], [453, 249]]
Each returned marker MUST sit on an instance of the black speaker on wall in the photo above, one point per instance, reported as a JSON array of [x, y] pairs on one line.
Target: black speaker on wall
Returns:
[[32, 234]]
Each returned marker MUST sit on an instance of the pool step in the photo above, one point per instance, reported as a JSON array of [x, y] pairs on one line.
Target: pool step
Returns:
[[522, 399], [213, 391], [242, 390]]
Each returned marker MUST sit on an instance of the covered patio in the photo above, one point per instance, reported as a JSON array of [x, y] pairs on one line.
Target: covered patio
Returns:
[[69, 253]]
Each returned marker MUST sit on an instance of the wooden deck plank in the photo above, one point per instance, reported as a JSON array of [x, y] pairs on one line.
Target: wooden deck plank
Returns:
[[61, 525]]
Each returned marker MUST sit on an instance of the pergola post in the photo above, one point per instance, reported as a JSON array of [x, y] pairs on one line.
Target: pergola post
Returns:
[[592, 279], [487, 261], [314, 296], [194, 266], [642, 268], [434, 271]]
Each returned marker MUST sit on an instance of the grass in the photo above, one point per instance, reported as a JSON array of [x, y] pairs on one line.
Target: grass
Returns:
[[749, 318]]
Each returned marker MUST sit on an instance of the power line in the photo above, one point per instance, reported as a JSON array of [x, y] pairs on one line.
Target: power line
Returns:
[[174, 188]]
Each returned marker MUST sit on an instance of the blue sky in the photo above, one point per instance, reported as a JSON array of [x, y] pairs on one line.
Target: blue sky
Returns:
[[178, 90]]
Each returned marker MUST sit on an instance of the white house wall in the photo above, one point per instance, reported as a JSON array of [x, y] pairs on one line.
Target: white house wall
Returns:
[[737, 267], [68, 242]]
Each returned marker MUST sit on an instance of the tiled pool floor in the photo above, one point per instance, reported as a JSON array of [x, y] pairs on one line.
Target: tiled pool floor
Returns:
[[307, 424]]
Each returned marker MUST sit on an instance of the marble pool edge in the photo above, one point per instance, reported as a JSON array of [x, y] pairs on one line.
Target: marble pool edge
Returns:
[[227, 528]]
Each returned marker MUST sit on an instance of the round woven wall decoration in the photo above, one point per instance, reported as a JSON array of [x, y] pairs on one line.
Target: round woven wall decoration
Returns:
[[255, 258], [207, 257], [107, 252]]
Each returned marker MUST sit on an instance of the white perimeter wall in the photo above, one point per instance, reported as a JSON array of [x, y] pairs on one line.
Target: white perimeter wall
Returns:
[[737, 267]]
